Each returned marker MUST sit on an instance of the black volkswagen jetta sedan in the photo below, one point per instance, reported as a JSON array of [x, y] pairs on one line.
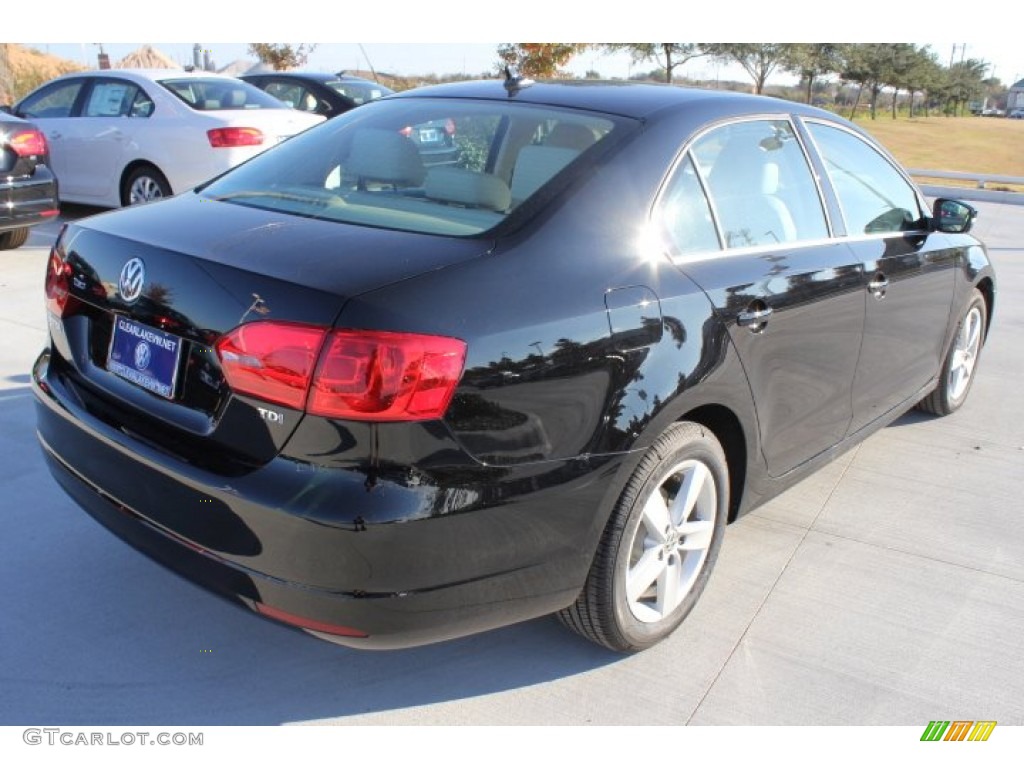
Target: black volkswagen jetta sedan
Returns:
[[391, 404]]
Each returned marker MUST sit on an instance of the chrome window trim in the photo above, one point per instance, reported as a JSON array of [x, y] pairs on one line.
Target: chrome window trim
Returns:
[[755, 250], [922, 207], [715, 221]]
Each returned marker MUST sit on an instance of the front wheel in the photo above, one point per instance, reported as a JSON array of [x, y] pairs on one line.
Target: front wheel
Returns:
[[660, 544], [145, 184], [958, 368]]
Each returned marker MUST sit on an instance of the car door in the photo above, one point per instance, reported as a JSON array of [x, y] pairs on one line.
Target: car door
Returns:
[[100, 138], [746, 222], [52, 108], [910, 272]]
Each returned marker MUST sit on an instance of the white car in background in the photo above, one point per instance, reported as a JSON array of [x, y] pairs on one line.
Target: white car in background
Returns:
[[123, 136]]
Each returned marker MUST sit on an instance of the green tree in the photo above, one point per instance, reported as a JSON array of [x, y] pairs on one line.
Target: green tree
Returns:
[[870, 66], [282, 55], [758, 59], [538, 59], [899, 70], [811, 61], [667, 56], [925, 75]]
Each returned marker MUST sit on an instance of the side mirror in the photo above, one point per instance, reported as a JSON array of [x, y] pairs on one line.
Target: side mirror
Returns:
[[952, 216], [7, 108]]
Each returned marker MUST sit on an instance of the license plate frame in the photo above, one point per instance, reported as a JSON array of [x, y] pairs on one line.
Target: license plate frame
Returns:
[[145, 356]]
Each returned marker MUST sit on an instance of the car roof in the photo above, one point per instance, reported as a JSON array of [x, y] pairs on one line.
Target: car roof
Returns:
[[630, 99], [149, 75], [322, 77]]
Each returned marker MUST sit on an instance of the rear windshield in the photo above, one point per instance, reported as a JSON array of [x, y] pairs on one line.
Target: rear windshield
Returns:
[[441, 166], [360, 93], [208, 95]]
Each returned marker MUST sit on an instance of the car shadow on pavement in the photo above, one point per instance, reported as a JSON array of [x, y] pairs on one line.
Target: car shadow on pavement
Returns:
[[96, 633]]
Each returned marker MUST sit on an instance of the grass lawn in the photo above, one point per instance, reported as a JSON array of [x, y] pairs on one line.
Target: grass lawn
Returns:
[[972, 144]]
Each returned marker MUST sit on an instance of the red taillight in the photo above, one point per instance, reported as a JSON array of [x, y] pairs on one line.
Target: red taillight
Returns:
[[271, 361], [382, 376], [28, 142], [346, 374], [58, 292], [235, 137], [407, 131], [449, 127]]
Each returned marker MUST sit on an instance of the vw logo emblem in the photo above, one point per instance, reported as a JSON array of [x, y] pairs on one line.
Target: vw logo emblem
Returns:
[[133, 275], [142, 355]]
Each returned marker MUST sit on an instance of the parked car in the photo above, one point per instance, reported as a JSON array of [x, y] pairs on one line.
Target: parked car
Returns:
[[119, 137], [28, 190], [435, 140], [391, 404], [1017, 114], [332, 95], [318, 92]]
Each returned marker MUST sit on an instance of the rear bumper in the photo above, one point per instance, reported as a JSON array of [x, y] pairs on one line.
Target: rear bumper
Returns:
[[27, 202], [295, 538]]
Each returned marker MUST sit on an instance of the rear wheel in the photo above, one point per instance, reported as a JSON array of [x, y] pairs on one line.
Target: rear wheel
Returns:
[[958, 368], [660, 544], [14, 238], [144, 185]]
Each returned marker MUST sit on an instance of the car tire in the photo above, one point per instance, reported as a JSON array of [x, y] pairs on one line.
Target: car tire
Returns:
[[660, 544], [14, 238], [958, 368], [144, 185]]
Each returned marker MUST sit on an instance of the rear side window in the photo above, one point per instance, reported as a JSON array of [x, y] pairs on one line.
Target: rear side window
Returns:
[[441, 166], [209, 95], [110, 98], [760, 184], [293, 94], [684, 214], [874, 196]]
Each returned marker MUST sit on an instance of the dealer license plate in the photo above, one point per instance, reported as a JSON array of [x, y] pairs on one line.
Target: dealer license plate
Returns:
[[145, 356]]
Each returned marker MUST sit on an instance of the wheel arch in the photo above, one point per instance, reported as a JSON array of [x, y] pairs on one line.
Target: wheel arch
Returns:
[[133, 166], [988, 292], [725, 425]]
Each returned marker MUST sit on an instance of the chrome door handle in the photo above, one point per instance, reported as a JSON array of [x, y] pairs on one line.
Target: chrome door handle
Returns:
[[754, 317], [878, 286]]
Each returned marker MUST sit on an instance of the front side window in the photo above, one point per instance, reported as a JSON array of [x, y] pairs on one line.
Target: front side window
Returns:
[[56, 100], [874, 196], [211, 95], [442, 166], [760, 184]]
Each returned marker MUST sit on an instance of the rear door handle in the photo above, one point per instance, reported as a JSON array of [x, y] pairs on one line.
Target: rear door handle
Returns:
[[754, 317], [878, 285]]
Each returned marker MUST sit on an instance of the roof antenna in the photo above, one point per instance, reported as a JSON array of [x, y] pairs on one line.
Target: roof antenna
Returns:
[[515, 82]]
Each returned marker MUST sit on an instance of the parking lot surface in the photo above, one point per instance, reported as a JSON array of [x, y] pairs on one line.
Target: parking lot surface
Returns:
[[887, 589]]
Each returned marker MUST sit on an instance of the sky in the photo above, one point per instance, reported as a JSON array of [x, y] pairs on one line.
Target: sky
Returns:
[[403, 37]]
